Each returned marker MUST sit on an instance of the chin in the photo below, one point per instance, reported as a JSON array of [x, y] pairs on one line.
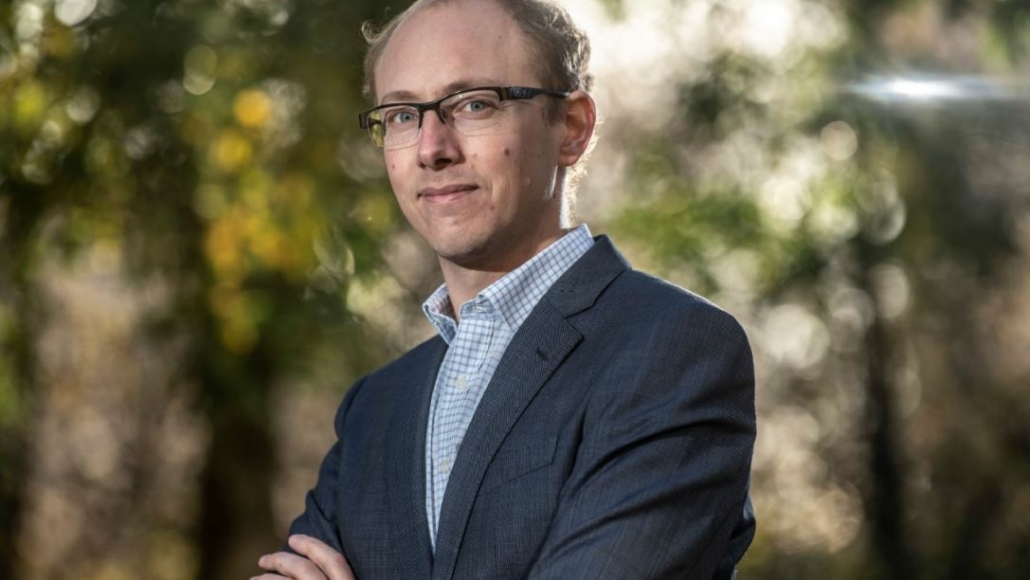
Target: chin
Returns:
[[467, 255]]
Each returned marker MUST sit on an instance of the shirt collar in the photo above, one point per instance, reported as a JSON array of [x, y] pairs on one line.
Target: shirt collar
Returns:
[[515, 294]]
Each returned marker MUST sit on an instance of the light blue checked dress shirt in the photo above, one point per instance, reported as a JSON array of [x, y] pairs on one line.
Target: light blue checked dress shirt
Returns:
[[475, 347]]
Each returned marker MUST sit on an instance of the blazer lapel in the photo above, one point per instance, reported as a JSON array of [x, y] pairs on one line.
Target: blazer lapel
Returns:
[[405, 457], [544, 340], [542, 343]]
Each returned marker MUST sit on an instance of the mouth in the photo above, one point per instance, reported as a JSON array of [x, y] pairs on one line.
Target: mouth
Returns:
[[447, 193]]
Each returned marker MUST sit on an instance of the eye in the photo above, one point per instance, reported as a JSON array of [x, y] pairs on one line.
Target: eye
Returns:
[[400, 117], [476, 107]]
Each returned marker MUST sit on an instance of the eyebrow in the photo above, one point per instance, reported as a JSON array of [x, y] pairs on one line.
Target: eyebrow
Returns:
[[456, 86]]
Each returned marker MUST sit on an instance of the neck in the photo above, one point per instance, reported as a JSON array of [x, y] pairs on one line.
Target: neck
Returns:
[[464, 282]]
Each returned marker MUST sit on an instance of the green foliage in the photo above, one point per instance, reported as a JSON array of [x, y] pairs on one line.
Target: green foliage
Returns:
[[200, 147]]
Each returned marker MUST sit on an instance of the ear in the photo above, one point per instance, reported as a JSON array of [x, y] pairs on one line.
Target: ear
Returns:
[[578, 121]]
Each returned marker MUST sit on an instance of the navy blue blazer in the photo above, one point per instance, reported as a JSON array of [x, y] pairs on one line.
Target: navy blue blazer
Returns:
[[613, 442]]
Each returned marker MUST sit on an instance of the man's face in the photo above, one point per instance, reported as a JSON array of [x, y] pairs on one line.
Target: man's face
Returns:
[[486, 201]]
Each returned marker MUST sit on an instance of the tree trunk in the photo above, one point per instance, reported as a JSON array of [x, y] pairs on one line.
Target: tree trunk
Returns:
[[236, 524], [885, 501]]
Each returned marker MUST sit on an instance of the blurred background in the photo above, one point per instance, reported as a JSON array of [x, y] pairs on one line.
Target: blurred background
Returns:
[[199, 252]]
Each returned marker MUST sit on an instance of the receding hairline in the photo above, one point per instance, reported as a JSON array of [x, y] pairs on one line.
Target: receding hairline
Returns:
[[390, 29]]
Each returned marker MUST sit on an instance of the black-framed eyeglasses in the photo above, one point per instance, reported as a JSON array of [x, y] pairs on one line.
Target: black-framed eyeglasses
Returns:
[[468, 111]]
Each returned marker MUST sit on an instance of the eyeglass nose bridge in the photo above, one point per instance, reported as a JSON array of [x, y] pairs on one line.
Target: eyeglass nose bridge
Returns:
[[436, 106]]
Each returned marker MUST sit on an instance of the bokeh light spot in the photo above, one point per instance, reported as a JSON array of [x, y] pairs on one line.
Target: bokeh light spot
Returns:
[[839, 141], [72, 12], [231, 151], [200, 66], [252, 108]]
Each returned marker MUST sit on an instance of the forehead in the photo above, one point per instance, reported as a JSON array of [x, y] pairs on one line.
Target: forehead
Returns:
[[453, 45]]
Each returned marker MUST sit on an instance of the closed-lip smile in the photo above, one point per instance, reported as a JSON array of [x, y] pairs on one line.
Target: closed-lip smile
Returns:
[[445, 193]]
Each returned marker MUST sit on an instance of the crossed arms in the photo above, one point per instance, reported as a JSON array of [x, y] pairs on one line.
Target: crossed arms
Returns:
[[653, 480]]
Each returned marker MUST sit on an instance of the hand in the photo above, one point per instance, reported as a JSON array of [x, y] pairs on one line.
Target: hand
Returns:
[[316, 561]]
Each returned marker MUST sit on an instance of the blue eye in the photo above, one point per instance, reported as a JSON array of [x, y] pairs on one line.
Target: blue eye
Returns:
[[476, 107], [401, 117]]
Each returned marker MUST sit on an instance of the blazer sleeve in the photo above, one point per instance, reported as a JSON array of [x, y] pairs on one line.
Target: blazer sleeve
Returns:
[[319, 517], [659, 485]]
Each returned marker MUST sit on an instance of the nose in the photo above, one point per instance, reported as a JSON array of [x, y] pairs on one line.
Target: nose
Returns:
[[438, 144]]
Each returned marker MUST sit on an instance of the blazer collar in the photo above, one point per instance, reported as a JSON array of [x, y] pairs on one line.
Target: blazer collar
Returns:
[[583, 283]]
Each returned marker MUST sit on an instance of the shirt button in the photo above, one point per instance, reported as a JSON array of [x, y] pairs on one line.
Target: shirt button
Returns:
[[444, 466], [462, 383]]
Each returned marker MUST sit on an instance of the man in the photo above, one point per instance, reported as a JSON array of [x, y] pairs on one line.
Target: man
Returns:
[[575, 418]]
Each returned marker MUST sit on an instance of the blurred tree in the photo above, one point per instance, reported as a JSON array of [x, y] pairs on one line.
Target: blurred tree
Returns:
[[823, 215], [204, 144]]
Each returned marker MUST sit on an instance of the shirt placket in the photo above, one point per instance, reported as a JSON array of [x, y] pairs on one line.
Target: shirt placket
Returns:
[[458, 386]]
